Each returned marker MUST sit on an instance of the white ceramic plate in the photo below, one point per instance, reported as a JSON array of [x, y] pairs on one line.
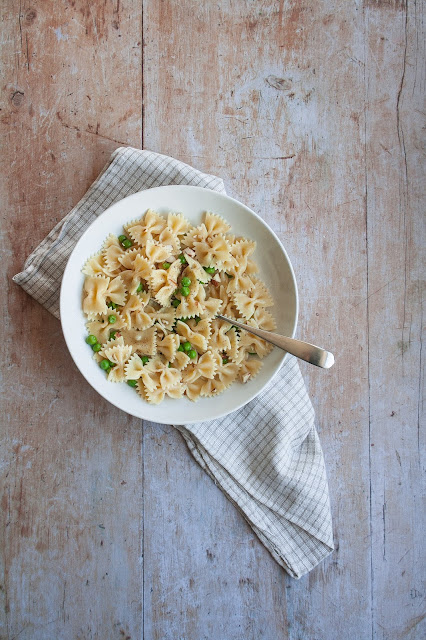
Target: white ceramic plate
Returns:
[[275, 270]]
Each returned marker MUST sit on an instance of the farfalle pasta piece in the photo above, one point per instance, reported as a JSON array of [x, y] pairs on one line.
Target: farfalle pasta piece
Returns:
[[164, 282], [180, 361], [134, 368], [251, 268], [118, 354], [133, 313], [168, 346], [196, 234], [137, 270], [158, 394], [94, 295], [165, 317], [207, 365], [239, 282], [141, 231], [147, 345], [211, 307], [112, 342], [218, 338], [95, 266], [177, 223], [215, 224], [154, 396], [141, 340], [190, 373], [197, 338], [212, 387], [227, 373], [253, 344], [259, 296], [195, 269], [116, 291], [241, 250], [167, 237], [214, 251], [262, 319], [157, 252], [193, 389], [189, 308], [249, 368], [112, 252], [101, 327], [176, 392], [169, 377], [150, 380]]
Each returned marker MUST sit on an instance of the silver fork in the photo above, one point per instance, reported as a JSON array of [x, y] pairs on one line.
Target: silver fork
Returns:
[[303, 350]]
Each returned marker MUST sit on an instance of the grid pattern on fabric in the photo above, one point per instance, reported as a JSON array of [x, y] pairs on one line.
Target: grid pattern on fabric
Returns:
[[128, 171], [266, 457]]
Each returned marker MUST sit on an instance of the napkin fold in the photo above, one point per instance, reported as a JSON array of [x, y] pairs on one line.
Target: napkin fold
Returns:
[[266, 456]]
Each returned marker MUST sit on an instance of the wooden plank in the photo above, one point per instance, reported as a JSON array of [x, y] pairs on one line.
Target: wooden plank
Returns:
[[396, 240], [203, 565], [259, 101], [71, 463]]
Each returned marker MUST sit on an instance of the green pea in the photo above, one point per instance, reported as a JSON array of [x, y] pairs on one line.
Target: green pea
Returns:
[[180, 348], [132, 383], [175, 303], [111, 364], [182, 259], [112, 319], [185, 291], [104, 364], [225, 360], [197, 319], [186, 282], [140, 288], [112, 335], [96, 347], [209, 270], [192, 354], [170, 365], [122, 238], [127, 243], [187, 346], [229, 275], [91, 340], [252, 353], [144, 359], [166, 265]]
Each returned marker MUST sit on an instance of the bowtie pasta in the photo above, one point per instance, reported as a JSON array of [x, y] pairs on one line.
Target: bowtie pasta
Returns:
[[151, 296]]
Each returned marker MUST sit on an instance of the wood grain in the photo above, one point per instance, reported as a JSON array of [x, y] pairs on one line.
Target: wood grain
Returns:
[[311, 112], [71, 464], [396, 284], [260, 108]]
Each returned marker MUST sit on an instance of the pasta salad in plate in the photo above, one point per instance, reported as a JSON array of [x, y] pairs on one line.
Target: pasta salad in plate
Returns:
[[151, 296]]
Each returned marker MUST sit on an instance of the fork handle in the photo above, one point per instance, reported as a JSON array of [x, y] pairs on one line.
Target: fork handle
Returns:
[[303, 350]]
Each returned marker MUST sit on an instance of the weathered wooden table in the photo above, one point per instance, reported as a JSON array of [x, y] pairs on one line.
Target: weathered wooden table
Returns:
[[312, 113]]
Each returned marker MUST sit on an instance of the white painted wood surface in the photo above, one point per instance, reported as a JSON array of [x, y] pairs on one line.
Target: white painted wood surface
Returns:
[[313, 114]]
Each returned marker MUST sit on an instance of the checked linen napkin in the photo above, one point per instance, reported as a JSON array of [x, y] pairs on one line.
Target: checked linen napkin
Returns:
[[266, 457]]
